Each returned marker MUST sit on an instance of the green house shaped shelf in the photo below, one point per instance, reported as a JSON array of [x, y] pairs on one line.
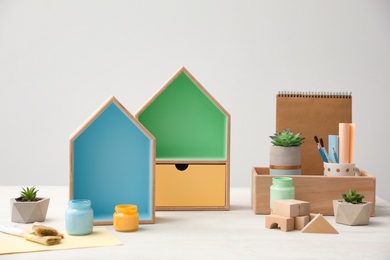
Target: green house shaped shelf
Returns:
[[112, 161], [192, 132]]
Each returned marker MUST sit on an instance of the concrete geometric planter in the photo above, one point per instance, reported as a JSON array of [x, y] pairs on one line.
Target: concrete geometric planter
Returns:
[[352, 214], [29, 211]]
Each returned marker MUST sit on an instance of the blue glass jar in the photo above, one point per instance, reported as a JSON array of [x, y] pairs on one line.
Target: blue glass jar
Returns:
[[79, 217]]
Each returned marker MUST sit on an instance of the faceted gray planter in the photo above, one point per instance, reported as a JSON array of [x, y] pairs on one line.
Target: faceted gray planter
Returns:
[[29, 211], [352, 214]]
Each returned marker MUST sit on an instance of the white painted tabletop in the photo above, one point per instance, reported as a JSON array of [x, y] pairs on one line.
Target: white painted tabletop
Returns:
[[234, 234]]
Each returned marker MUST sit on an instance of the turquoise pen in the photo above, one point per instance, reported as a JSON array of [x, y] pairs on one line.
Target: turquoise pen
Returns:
[[324, 150], [320, 149]]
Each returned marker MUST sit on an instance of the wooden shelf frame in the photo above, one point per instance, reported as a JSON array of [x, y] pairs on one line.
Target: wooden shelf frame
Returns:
[[111, 162], [177, 115]]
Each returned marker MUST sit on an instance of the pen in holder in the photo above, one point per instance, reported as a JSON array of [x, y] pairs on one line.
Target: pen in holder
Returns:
[[340, 169]]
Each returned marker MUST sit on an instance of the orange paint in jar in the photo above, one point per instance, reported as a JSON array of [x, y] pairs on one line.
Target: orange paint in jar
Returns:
[[126, 218]]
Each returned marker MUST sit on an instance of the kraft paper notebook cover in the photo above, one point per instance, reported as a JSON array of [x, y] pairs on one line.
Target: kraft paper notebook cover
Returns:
[[312, 113]]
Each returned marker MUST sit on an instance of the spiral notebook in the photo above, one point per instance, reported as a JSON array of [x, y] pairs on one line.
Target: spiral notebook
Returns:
[[312, 114]]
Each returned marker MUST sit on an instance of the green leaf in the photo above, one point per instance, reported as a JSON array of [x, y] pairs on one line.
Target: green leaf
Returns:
[[29, 194]]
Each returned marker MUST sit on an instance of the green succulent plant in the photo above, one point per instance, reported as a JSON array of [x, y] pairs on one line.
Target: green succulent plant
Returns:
[[287, 138], [29, 194], [353, 197]]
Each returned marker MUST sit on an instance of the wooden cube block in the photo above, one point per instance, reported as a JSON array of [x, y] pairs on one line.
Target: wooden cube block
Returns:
[[286, 208], [304, 208], [301, 222], [284, 223], [291, 208]]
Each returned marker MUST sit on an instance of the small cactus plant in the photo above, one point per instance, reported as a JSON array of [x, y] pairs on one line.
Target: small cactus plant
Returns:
[[28, 194], [287, 138], [353, 197], [28, 208]]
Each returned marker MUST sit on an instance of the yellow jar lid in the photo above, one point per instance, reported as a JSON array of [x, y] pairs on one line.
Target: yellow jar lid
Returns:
[[126, 208]]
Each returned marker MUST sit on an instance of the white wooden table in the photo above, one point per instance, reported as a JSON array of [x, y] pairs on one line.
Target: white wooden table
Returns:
[[234, 234]]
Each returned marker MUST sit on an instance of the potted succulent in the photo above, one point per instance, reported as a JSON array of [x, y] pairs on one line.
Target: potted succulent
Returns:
[[285, 153], [29, 208], [352, 210]]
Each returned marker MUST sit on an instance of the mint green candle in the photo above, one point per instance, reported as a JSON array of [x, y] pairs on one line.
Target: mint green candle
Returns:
[[282, 189]]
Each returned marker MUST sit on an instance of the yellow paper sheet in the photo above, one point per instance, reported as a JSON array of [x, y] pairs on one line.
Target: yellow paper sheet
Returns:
[[100, 237]]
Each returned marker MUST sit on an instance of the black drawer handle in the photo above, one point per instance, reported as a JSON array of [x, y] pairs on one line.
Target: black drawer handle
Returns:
[[181, 166]]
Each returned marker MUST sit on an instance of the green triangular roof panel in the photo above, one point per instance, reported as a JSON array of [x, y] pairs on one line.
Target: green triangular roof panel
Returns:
[[187, 122]]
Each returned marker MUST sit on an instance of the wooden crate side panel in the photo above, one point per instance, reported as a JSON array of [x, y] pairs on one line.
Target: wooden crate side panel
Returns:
[[321, 192], [261, 192], [318, 190]]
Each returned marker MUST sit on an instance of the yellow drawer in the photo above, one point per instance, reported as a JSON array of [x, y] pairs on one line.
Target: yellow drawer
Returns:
[[196, 186]]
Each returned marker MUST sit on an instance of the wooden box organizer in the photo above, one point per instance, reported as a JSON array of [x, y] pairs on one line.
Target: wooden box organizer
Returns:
[[320, 191], [192, 132]]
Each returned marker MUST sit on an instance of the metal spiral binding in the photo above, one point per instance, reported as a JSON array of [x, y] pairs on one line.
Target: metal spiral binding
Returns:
[[314, 94]]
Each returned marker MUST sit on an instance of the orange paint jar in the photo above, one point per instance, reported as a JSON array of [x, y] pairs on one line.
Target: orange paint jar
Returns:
[[126, 218]]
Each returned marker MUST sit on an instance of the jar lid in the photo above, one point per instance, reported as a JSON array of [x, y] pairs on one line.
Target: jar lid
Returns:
[[126, 208], [282, 180], [79, 203]]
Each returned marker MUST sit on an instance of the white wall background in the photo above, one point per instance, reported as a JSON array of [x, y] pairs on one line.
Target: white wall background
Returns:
[[59, 60]]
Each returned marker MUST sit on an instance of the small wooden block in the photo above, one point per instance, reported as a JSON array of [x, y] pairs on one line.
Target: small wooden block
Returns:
[[304, 208], [319, 225], [301, 222], [290, 208], [286, 208], [275, 221]]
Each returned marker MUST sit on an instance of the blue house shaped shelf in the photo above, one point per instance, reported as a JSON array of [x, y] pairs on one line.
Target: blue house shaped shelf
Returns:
[[112, 161]]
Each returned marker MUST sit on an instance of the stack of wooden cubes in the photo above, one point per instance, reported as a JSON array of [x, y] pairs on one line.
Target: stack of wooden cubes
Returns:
[[288, 215]]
